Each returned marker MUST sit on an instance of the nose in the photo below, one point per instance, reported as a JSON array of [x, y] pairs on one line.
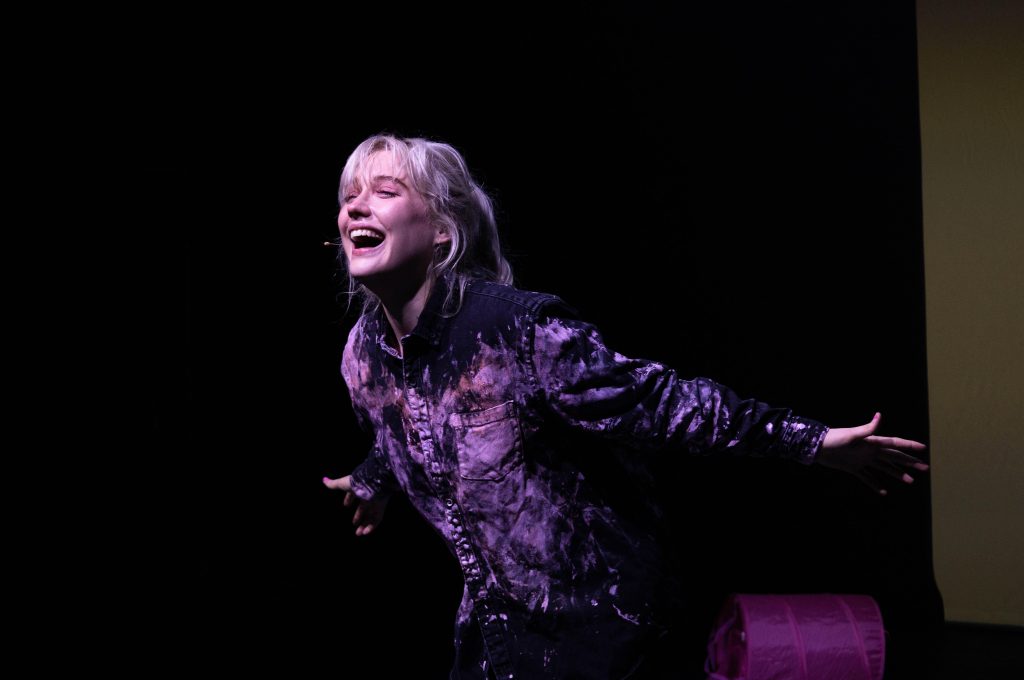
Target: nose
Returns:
[[352, 209], [358, 205]]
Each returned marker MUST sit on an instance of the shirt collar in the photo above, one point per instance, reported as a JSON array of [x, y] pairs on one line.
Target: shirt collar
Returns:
[[430, 324]]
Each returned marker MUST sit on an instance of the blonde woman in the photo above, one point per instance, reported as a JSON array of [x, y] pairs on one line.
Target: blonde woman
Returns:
[[484, 401]]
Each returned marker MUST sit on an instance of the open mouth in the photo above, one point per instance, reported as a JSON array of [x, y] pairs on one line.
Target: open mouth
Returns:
[[366, 239]]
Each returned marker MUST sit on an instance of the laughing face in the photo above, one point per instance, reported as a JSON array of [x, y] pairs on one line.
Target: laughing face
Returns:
[[385, 228]]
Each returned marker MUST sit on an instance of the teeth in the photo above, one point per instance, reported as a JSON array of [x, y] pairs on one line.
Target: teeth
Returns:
[[365, 232]]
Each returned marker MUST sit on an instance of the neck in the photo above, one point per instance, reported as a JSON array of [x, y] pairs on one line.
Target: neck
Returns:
[[403, 309]]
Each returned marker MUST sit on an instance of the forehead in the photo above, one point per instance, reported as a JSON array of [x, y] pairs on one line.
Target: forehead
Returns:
[[378, 166]]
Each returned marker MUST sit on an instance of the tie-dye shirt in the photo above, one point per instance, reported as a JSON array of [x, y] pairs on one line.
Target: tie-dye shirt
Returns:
[[522, 439]]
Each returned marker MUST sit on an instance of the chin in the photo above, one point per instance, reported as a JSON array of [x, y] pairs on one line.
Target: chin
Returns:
[[362, 275], [362, 266], [368, 275]]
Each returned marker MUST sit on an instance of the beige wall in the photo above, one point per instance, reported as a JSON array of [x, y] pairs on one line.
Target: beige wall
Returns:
[[971, 65]]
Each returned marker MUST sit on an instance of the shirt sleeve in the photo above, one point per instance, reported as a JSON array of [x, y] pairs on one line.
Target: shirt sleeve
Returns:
[[373, 478], [646, 405]]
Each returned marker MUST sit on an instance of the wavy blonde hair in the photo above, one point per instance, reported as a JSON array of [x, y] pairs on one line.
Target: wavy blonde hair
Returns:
[[454, 201]]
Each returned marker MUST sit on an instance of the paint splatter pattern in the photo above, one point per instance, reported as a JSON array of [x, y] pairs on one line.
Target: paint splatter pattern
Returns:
[[503, 425]]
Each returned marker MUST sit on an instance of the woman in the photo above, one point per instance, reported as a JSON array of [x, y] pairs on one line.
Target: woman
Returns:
[[489, 406]]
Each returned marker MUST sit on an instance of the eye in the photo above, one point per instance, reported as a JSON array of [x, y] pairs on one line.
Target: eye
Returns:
[[385, 192]]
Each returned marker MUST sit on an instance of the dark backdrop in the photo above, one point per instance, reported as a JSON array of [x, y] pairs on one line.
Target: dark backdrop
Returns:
[[734, 192]]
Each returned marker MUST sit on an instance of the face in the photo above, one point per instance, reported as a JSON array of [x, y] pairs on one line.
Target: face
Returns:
[[385, 230]]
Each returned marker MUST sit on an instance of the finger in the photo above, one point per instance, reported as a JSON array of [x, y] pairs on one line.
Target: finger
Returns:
[[358, 516], [880, 482], [350, 498], [893, 466], [897, 442], [872, 480], [893, 470], [869, 428], [342, 483], [364, 529], [897, 457]]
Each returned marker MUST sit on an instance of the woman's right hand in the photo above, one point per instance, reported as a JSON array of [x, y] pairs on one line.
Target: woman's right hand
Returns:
[[368, 513]]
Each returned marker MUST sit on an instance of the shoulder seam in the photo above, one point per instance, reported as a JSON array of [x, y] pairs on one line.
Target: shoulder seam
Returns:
[[555, 299], [526, 299], [506, 298]]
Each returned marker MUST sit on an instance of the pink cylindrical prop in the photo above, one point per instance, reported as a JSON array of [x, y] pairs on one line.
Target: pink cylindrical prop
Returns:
[[797, 637]]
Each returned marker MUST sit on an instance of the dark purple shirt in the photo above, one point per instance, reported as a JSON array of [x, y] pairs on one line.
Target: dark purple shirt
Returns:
[[521, 438]]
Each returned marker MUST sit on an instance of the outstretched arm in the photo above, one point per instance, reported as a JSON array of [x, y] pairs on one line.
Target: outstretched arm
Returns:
[[647, 405], [875, 460]]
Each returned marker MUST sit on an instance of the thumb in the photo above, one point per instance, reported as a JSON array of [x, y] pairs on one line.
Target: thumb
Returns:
[[865, 430], [341, 484]]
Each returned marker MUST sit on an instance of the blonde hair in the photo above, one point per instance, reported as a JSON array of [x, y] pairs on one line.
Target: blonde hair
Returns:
[[454, 201]]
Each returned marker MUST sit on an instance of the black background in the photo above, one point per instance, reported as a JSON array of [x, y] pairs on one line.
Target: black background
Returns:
[[732, 191]]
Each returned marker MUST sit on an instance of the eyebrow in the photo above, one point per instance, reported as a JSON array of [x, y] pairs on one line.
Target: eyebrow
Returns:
[[389, 178]]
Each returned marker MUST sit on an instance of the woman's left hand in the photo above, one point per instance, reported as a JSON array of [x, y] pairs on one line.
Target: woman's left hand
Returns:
[[876, 461]]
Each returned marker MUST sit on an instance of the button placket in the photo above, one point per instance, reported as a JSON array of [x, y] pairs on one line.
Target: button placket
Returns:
[[464, 550], [494, 640], [488, 616]]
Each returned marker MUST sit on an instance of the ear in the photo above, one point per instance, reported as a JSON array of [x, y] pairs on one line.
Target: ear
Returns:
[[442, 236]]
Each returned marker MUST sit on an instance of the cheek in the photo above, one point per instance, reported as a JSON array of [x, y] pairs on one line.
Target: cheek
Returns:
[[412, 227], [343, 221]]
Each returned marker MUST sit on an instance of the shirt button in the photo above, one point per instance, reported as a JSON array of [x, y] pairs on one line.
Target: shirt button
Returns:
[[482, 593], [448, 502]]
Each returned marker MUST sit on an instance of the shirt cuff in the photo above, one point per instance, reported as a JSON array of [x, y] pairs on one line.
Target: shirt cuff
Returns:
[[368, 481], [802, 438]]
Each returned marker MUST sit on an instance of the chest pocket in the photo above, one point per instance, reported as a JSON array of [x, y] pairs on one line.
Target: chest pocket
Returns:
[[489, 442]]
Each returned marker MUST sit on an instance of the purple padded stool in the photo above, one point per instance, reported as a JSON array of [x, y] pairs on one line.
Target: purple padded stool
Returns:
[[797, 637]]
